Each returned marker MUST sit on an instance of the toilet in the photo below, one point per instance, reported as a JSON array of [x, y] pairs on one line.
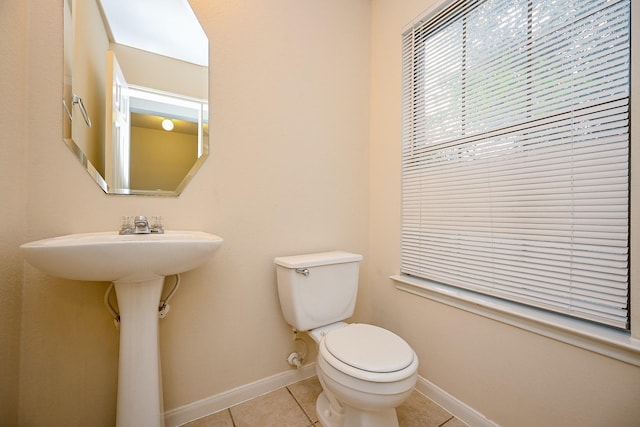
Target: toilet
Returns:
[[366, 372]]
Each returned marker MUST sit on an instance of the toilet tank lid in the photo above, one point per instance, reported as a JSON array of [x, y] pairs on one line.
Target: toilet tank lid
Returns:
[[314, 260]]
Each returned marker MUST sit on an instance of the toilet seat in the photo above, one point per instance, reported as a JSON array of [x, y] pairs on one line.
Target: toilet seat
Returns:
[[369, 353]]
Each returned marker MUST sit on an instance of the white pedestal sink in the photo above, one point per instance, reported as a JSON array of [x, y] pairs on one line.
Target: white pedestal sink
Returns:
[[137, 265]]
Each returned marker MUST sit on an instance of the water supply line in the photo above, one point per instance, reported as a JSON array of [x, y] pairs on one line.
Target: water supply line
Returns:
[[163, 307], [111, 308]]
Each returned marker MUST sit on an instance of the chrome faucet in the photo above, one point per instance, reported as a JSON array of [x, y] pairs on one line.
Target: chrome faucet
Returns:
[[141, 225]]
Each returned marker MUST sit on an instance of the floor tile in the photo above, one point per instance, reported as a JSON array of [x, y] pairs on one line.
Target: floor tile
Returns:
[[419, 411], [219, 419], [306, 393], [275, 409]]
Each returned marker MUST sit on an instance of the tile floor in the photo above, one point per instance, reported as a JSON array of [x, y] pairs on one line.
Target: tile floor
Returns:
[[295, 406]]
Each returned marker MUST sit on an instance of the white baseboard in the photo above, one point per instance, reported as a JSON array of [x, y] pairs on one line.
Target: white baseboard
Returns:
[[455, 407], [211, 405], [218, 402]]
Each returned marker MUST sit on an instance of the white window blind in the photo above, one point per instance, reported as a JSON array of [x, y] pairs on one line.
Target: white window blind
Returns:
[[515, 153]]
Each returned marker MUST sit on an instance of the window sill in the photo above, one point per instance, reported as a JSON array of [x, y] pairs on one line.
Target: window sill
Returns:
[[599, 339]]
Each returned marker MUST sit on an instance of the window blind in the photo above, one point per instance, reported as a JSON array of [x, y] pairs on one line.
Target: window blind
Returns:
[[515, 153]]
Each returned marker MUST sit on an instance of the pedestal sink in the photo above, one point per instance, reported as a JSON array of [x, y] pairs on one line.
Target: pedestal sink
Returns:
[[137, 265]]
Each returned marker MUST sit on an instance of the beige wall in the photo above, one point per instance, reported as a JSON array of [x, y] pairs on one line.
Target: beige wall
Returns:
[[513, 377], [88, 77], [159, 159], [298, 163], [13, 138], [159, 72], [287, 173]]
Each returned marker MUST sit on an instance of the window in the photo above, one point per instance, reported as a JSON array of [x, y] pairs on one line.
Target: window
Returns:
[[515, 153]]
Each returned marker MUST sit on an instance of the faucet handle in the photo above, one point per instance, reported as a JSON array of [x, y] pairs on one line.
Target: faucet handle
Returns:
[[127, 225], [156, 224]]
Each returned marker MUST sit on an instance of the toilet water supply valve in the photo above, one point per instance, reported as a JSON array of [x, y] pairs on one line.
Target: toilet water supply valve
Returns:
[[295, 359], [163, 307]]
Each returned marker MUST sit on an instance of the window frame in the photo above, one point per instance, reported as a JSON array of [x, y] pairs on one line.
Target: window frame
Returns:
[[618, 344]]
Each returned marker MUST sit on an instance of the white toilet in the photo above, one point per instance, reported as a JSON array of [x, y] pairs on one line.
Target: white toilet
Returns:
[[365, 371]]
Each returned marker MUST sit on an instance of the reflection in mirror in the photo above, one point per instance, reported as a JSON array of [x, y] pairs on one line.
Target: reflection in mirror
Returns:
[[129, 67]]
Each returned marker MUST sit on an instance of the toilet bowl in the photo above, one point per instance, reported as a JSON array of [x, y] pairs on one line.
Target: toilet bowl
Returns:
[[366, 372]]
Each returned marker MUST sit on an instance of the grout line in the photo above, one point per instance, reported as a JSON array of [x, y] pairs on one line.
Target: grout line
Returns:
[[299, 406], [441, 425], [231, 416]]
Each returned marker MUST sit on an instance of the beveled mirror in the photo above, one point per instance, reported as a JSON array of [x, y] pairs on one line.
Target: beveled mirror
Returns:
[[135, 102]]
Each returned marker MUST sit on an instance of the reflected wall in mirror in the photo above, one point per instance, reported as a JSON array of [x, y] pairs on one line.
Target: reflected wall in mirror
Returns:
[[135, 101]]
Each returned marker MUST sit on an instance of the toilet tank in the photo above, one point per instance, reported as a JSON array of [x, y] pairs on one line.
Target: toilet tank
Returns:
[[317, 289]]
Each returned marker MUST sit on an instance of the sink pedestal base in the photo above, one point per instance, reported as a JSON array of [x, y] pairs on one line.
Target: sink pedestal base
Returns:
[[139, 383]]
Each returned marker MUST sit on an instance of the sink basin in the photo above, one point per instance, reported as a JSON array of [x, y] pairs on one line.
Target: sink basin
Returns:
[[109, 256], [137, 265]]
